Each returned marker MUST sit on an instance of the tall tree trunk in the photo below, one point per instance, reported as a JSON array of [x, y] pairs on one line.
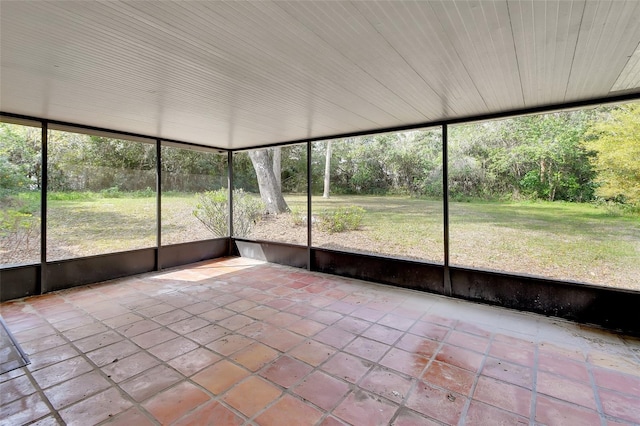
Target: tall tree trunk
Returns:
[[327, 171], [269, 192], [276, 155]]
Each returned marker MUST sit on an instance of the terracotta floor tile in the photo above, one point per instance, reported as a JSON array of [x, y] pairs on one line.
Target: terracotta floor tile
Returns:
[[386, 383], [620, 382], [312, 352], [109, 354], [220, 376], [101, 340], [194, 361], [334, 336], [418, 345], [473, 329], [199, 308], [131, 417], [306, 327], [39, 345], [396, 321], [325, 317], [208, 334], [289, 411], [173, 348], [69, 324], [129, 366], [482, 414], [301, 309], [51, 356], [188, 325], [406, 362], [368, 314], [565, 352], [429, 330], [153, 338], [347, 367], [469, 341], [513, 353], [211, 413], [322, 390], [508, 372], [85, 331], [155, 310], [173, 403], [286, 371], [554, 412], [72, 391], [260, 312], [229, 344], [459, 357], [151, 382], [352, 325], [449, 377], [282, 319], [406, 417], [255, 356], [622, 406], [216, 314], [383, 334], [251, 396], [342, 307], [235, 322], [364, 408], [564, 367], [332, 421], [24, 410], [566, 389], [16, 388], [367, 349], [95, 409], [282, 340], [46, 421], [241, 305], [58, 373], [136, 328], [503, 395], [439, 404]]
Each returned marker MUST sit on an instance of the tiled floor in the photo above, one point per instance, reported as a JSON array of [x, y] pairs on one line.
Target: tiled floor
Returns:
[[237, 342]]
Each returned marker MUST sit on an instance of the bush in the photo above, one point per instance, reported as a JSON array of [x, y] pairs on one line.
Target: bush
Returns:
[[19, 234], [213, 211], [341, 219]]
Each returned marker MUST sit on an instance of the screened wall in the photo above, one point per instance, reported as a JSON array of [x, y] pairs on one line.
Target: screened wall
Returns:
[[456, 209]]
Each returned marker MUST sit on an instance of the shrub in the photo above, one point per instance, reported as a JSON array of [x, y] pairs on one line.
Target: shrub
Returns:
[[213, 211], [341, 219], [19, 234]]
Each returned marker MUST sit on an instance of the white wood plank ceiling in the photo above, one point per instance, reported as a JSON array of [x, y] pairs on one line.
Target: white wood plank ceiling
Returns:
[[241, 74]]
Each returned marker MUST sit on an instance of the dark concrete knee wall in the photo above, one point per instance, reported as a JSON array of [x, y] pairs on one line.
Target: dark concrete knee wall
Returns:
[[607, 307]]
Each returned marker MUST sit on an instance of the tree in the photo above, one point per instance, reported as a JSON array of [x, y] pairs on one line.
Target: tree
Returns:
[[276, 157], [616, 144], [327, 171], [267, 183]]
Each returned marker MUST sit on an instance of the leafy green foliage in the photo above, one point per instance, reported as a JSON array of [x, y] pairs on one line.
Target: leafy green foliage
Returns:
[[616, 144], [212, 210], [344, 218]]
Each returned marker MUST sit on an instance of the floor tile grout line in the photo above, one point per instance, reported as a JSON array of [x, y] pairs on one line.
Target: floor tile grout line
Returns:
[[477, 376], [534, 384], [594, 388]]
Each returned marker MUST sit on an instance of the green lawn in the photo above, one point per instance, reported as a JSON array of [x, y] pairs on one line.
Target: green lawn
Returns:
[[580, 242]]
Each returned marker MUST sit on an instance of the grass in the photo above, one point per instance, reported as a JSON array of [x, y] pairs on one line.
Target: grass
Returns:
[[580, 242]]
